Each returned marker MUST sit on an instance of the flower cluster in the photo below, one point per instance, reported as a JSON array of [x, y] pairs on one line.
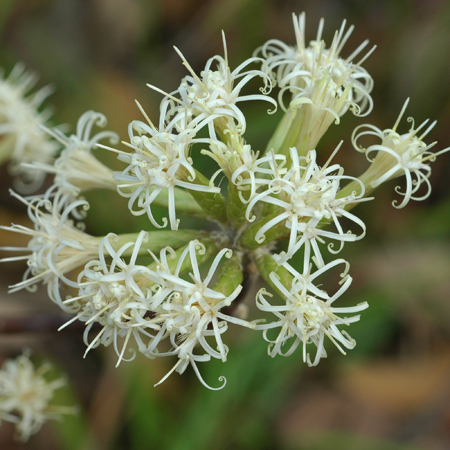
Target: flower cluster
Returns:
[[309, 314], [278, 209], [25, 396]]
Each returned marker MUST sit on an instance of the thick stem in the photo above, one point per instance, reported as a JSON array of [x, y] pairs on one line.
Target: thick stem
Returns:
[[157, 240]]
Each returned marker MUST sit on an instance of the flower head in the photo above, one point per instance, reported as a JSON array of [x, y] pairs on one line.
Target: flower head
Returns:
[[399, 154], [159, 161], [117, 296], [77, 170], [307, 196], [215, 93], [309, 314], [191, 314], [20, 120], [254, 173], [297, 68], [25, 396], [57, 247]]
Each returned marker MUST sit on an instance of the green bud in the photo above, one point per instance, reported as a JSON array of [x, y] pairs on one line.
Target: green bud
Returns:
[[235, 207]]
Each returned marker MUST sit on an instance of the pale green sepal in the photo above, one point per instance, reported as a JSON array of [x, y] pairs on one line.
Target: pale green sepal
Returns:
[[185, 203], [277, 141], [235, 207], [230, 275]]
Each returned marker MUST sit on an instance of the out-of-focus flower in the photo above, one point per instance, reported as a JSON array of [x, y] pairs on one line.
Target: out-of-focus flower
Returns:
[[25, 396], [22, 138]]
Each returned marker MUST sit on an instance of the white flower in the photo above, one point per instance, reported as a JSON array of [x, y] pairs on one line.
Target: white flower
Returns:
[[77, 169], [245, 176], [215, 93], [25, 396], [307, 196], [160, 160], [399, 154], [117, 296], [308, 315], [191, 314], [23, 139], [296, 67], [57, 247]]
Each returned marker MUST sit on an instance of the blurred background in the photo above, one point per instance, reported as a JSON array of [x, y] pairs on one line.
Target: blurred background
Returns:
[[393, 390]]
